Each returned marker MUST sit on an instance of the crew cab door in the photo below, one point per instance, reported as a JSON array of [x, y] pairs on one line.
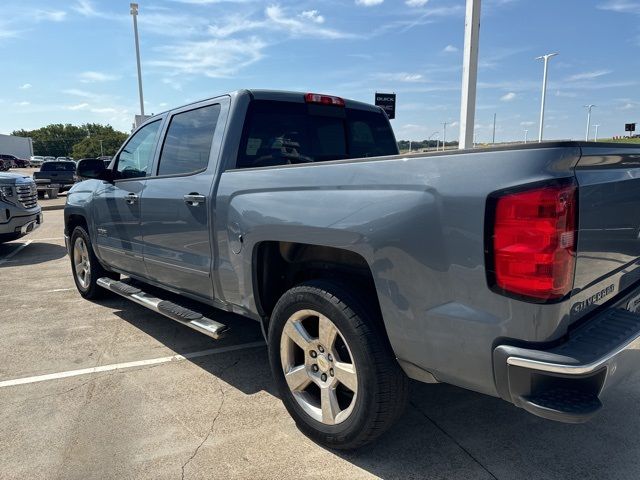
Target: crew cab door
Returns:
[[116, 205], [176, 203]]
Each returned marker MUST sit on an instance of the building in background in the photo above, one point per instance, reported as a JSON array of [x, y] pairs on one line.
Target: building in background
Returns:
[[21, 147]]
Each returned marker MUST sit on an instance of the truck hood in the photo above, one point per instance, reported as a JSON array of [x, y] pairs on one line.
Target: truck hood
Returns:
[[13, 178]]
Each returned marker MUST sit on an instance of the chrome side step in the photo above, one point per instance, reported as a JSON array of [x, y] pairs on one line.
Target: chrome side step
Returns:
[[185, 316]]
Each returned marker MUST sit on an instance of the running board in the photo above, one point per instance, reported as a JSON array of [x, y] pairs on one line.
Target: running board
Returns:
[[180, 314]]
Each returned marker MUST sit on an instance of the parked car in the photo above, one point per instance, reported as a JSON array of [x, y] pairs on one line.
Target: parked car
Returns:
[[4, 165], [19, 210], [49, 159], [15, 161], [54, 177], [511, 271], [36, 161], [64, 159]]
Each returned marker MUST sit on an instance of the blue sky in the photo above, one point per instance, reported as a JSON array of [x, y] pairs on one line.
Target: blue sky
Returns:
[[73, 60]]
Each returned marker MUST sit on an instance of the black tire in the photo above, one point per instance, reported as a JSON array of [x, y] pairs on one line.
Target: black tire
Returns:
[[381, 384], [41, 194], [91, 290]]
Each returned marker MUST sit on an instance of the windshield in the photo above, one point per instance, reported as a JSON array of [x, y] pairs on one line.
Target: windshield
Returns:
[[279, 133], [58, 167]]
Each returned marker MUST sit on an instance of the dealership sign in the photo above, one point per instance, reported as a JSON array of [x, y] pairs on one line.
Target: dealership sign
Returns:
[[388, 103]]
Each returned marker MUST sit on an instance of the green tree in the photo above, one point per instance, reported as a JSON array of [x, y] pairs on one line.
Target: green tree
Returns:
[[82, 141], [100, 140]]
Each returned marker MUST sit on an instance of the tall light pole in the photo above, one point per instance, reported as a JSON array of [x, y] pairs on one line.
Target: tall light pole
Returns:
[[589, 108], [444, 135], [544, 90], [469, 73], [493, 139], [526, 135], [134, 14], [595, 138]]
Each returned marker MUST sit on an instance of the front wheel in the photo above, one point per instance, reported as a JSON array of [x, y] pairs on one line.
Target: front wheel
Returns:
[[85, 266], [334, 369]]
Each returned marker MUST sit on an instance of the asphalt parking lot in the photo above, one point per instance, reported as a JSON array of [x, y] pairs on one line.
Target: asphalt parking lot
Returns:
[[122, 401]]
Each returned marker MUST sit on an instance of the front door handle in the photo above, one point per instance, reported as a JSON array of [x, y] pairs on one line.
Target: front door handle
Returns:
[[131, 198], [194, 199]]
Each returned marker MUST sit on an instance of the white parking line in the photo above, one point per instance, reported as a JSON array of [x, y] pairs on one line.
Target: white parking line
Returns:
[[24, 245], [59, 290], [121, 366], [50, 238]]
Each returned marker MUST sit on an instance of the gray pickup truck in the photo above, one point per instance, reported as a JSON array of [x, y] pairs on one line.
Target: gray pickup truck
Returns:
[[513, 272], [19, 210]]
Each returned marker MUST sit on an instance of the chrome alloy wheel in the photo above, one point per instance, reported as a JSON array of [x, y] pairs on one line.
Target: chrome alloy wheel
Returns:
[[318, 367], [81, 262]]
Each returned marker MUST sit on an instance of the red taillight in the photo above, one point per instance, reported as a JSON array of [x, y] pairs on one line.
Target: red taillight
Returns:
[[534, 237], [323, 99]]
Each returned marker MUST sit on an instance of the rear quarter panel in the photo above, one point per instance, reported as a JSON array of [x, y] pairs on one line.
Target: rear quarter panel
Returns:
[[418, 221]]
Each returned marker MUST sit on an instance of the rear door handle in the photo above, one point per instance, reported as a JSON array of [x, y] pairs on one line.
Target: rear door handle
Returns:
[[194, 199], [131, 198]]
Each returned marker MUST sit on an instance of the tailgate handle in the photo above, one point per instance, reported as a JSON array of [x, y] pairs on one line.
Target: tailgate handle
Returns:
[[194, 199]]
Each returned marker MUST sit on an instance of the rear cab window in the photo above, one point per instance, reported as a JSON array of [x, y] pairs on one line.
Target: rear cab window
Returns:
[[58, 167], [282, 133]]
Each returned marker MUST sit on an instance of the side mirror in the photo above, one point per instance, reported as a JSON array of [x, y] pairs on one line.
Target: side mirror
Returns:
[[93, 168]]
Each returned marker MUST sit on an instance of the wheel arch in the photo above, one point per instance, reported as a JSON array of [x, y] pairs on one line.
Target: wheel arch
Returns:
[[281, 265]]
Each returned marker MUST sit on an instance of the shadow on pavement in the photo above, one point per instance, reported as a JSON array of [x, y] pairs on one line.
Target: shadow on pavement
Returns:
[[446, 432], [33, 254]]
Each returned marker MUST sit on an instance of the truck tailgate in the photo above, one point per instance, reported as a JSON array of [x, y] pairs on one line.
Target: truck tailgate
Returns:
[[608, 247]]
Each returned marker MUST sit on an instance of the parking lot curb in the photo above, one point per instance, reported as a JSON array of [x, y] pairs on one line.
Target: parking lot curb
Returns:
[[46, 208]]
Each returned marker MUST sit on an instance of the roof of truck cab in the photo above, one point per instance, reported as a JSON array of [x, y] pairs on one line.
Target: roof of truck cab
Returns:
[[276, 95]]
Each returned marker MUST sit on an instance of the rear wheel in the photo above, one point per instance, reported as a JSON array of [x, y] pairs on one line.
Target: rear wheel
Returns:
[[85, 265], [334, 369]]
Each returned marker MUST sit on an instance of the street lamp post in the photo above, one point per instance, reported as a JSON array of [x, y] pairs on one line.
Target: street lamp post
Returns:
[[134, 14], [493, 138], [595, 138], [444, 135], [589, 108], [544, 90]]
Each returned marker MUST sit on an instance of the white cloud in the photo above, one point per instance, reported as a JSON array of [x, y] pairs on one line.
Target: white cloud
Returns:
[[22, 104], [312, 15], [50, 15], [450, 49], [368, 3], [214, 58], [400, 77], [621, 6], [588, 75], [278, 18], [85, 8], [25, 86], [527, 124], [79, 106], [92, 77], [305, 24], [416, 3], [508, 97]]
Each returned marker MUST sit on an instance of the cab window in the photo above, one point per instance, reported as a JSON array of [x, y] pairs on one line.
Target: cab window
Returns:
[[136, 158]]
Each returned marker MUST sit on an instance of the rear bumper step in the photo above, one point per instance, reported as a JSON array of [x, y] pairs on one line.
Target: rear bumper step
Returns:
[[185, 316], [565, 383]]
